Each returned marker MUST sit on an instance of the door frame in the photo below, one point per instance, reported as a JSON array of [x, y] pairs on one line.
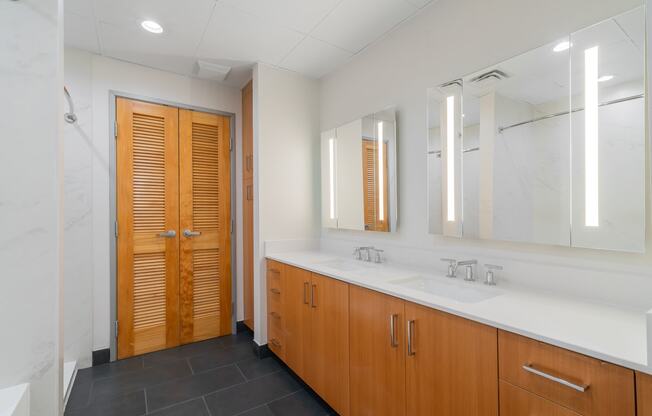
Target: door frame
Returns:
[[113, 95]]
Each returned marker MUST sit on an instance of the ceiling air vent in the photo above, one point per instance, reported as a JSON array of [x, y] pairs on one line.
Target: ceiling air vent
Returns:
[[490, 77], [212, 71]]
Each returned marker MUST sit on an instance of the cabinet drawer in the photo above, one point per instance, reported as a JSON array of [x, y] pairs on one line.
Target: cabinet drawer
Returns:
[[274, 274], [514, 401], [559, 375], [276, 341]]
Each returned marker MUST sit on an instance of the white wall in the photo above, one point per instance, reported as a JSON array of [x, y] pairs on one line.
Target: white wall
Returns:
[[78, 230], [432, 49], [30, 199], [287, 165], [93, 140]]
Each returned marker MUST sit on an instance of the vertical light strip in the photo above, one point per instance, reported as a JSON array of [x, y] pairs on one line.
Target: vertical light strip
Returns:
[[331, 176], [591, 137], [381, 173], [450, 157]]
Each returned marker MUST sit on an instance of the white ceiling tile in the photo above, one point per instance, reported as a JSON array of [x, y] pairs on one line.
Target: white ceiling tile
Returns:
[[419, 3], [79, 32], [167, 51], [186, 18], [300, 15], [356, 23], [80, 7], [233, 34], [315, 58]]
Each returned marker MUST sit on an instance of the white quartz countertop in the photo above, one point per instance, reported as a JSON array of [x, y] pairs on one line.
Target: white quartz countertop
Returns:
[[608, 333]]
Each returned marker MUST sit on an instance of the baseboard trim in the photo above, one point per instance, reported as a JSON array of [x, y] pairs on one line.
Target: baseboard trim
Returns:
[[261, 351], [101, 356], [240, 326]]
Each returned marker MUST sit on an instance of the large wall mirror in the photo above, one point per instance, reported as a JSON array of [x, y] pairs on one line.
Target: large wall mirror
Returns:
[[359, 174], [551, 144]]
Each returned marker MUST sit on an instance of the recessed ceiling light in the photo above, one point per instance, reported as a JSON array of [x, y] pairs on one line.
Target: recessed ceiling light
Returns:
[[562, 46], [605, 78], [152, 26]]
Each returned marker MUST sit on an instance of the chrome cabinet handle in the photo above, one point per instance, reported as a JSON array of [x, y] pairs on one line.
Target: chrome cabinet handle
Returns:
[[530, 369], [306, 288], [275, 291], [312, 296], [168, 234], [189, 233], [392, 330], [410, 333]]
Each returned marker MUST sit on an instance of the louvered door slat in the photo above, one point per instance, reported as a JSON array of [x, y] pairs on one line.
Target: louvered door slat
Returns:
[[147, 202], [205, 208]]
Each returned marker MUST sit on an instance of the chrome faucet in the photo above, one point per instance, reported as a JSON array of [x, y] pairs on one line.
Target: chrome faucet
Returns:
[[490, 275], [469, 277], [452, 267], [378, 258], [358, 253], [367, 250]]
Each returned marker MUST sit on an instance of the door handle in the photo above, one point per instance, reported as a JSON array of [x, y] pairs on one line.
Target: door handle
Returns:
[[410, 333], [392, 330], [306, 287], [189, 233], [168, 234], [312, 296]]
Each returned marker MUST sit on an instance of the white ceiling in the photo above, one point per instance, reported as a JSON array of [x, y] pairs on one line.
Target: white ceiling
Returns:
[[312, 37]]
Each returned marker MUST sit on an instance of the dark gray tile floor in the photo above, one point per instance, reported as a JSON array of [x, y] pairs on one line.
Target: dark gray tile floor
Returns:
[[218, 377]]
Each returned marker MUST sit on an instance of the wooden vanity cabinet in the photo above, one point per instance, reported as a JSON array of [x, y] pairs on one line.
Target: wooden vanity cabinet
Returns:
[[451, 365], [308, 328], [585, 385], [378, 346], [643, 394]]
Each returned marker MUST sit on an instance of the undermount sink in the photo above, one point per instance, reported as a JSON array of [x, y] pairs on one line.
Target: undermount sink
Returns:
[[460, 291], [342, 265]]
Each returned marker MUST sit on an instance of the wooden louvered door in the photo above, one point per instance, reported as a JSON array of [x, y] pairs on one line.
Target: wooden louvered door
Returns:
[[371, 184], [205, 218], [148, 207]]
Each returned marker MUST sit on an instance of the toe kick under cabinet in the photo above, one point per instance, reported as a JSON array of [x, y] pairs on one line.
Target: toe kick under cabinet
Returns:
[[368, 353]]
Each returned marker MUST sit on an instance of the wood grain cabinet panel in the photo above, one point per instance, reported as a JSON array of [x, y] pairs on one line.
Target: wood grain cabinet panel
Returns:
[[609, 388], [275, 307], [327, 370], [514, 401], [296, 318], [644, 394], [451, 365], [377, 348]]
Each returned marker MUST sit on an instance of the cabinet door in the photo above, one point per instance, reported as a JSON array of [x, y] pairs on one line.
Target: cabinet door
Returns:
[[296, 317], [327, 362], [377, 365], [451, 365], [644, 394]]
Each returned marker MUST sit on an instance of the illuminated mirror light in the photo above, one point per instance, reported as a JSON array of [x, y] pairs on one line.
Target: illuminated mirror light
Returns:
[[562, 46], [450, 157], [331, 176], [381, 173], [591, 136]]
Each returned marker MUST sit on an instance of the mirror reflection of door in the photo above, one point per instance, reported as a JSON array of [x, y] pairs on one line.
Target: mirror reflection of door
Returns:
[[375, 187]]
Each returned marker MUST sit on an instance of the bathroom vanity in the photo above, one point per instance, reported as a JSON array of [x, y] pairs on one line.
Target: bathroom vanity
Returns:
[[372, 339]]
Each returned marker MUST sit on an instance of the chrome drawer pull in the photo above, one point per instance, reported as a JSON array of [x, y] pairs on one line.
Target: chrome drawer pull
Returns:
[[312, 296], [530, 369], [410, 333], [392, 331], [306, 288], [275, 291]]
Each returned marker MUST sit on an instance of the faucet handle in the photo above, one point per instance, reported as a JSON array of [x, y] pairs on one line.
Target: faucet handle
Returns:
[[490, 277], [379, 255], [357, 252]]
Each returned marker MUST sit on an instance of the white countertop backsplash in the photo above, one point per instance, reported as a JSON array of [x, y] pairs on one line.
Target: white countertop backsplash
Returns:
[[579, 308]]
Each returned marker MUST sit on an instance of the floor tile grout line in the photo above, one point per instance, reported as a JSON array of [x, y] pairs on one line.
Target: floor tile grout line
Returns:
[[175, 404], [208, 409], [146, 407], [241, 372], [252, 408]]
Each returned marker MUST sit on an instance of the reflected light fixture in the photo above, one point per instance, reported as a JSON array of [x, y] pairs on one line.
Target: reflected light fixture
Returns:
[[450, 157], [152, 26], [562, 46], [381, 173], [591, 137], [331, 176], [605, 78]]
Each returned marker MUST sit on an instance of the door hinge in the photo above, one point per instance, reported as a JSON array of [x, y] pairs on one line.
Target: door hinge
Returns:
[[115, 229], [115, 326], [115, 129], [232, 226]]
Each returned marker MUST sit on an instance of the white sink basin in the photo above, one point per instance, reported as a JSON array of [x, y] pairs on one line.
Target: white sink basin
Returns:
[[460, 291], [343, 265]]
